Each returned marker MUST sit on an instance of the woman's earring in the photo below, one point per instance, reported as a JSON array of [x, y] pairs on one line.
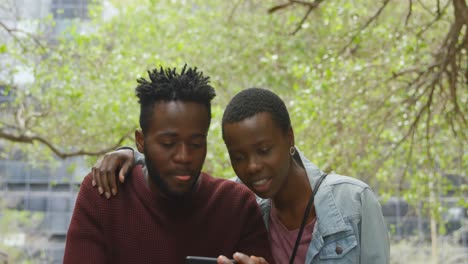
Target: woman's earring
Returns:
[[292, 151]]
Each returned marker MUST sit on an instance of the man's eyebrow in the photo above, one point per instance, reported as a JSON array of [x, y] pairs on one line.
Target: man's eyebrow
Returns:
[[167, 133], [174, 134]]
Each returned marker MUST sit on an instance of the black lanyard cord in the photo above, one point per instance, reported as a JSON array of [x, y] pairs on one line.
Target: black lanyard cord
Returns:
[[304, 219]]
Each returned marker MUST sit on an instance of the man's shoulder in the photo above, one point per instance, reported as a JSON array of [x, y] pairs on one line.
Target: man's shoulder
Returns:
[[88, 196], [89, 192], [86, 183]]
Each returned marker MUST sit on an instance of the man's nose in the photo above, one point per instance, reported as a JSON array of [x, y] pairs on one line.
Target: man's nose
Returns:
[[183, 154]]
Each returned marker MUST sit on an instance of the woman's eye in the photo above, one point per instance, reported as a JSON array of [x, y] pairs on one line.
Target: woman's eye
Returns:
[[264, 150], [237, 158]]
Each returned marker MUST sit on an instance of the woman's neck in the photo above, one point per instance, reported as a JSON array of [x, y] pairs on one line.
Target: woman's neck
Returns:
[[291, 201]]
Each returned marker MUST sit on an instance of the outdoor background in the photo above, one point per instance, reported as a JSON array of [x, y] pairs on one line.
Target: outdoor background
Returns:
[[377, 89]]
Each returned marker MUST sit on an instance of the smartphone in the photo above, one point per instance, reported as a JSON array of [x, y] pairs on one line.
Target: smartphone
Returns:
[[202, 260]]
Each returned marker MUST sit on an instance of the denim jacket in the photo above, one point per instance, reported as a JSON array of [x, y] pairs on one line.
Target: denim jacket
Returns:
[[350, 227]]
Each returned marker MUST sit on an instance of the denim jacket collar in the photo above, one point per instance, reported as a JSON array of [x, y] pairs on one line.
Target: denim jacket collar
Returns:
[[329, 218]]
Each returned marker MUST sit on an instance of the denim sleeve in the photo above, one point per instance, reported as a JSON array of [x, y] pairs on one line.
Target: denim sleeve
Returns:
[[138, 158], [375, 244]]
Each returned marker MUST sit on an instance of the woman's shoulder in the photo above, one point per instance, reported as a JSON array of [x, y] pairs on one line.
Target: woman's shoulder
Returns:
[[341, 181]]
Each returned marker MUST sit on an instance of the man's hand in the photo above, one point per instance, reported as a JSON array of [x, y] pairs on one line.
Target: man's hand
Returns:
[[105, 170], [242, 259]]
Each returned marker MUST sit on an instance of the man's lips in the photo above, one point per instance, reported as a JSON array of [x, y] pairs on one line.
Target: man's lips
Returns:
[[184, 178], [182, 175]]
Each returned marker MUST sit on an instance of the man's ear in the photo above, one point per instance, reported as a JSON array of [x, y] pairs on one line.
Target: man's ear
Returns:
[[140, 140]]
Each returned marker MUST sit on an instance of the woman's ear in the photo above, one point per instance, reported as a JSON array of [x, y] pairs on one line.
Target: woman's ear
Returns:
[[290, 135], [140, 141]]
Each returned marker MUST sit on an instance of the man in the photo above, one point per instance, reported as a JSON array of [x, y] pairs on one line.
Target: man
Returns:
[[168, 209]]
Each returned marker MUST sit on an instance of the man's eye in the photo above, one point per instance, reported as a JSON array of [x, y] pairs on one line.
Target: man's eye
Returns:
[[197, 145], [167, 144]]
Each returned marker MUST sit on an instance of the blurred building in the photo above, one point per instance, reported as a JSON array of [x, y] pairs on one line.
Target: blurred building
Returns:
[[48, 196], [43, 193]]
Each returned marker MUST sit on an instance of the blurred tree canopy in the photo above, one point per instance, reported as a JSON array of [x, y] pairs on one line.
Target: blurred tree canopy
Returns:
[[375, 89]]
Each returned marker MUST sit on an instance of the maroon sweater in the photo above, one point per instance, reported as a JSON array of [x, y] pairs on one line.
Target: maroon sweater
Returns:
[[138, 227]]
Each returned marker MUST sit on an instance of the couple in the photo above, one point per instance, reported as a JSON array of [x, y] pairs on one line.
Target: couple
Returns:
[[168, 209]]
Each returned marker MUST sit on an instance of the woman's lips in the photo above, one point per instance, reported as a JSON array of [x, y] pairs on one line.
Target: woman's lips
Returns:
[[261, 185]]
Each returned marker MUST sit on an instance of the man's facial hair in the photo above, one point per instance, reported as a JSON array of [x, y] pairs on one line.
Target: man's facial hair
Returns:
[[162, 185]]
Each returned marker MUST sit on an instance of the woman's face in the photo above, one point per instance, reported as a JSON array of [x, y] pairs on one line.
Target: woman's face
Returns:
[[259, 153]]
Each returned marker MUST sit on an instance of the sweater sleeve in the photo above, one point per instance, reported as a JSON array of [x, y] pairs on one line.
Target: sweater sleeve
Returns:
[[375, 245], [85, 238], [254, 237]]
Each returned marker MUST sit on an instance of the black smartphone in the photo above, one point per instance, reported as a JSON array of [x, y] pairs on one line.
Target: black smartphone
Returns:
[[202, 260]]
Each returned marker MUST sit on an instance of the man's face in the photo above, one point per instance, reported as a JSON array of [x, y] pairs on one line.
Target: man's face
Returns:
[[175, 146]]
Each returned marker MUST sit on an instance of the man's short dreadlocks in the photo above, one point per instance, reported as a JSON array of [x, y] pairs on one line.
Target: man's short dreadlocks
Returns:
[[168, 85]]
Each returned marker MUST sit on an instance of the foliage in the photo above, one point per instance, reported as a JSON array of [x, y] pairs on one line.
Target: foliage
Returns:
[[356, 77], [13, 225]]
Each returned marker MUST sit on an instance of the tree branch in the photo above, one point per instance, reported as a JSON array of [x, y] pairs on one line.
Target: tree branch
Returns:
[[442, 74], [13, 33], [407, 163], [310, 6], [61, 154], [279, 7], [364, 26], [410, 10], [233, 10], [425, 7], [438, 7], [299, 25], [436, 18]]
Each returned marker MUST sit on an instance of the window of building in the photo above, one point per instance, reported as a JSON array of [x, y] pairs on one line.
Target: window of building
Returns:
[[68, 9]]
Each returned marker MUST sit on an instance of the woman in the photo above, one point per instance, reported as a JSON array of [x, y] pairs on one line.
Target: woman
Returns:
[[344, 223]]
